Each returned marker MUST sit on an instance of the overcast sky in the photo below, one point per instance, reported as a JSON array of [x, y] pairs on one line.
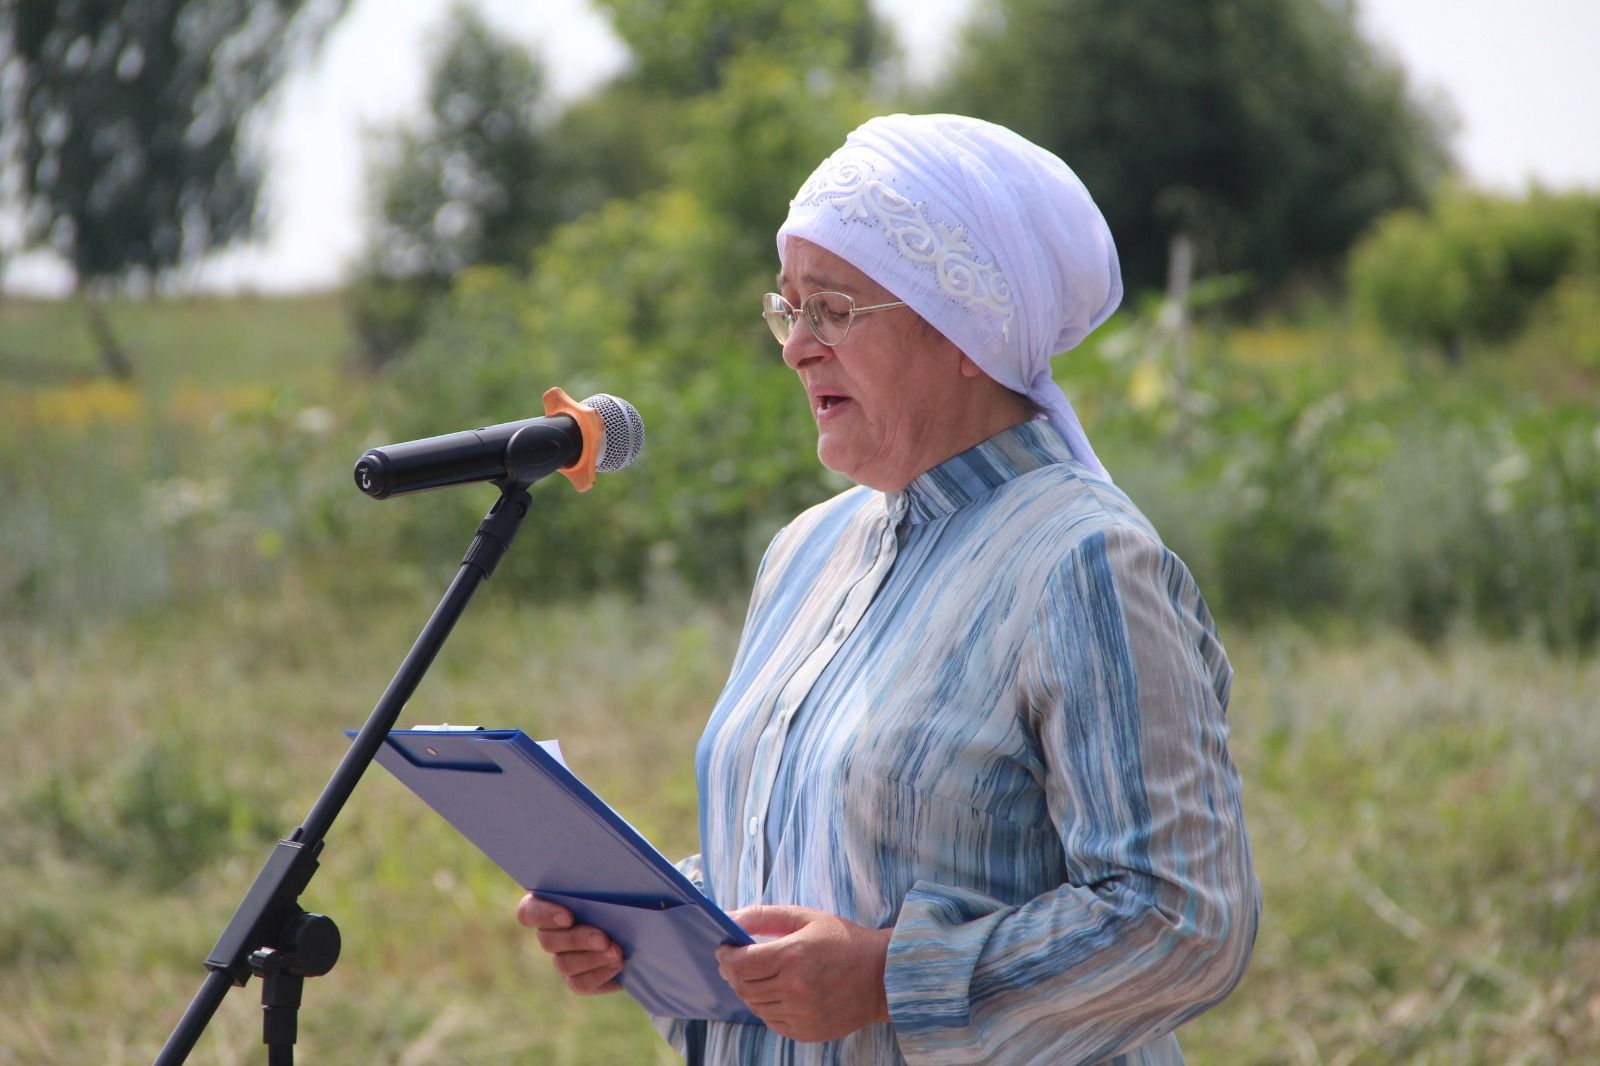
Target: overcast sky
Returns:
[[1525, 89]]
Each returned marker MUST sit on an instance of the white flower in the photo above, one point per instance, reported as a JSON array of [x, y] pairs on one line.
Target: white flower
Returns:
[[314, 421], [176, 499]]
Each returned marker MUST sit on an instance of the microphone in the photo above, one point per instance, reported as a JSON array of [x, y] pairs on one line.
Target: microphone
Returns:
[[601, 434]]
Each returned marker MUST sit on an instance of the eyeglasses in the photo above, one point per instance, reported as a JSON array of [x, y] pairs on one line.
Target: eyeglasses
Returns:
[[829, 314]]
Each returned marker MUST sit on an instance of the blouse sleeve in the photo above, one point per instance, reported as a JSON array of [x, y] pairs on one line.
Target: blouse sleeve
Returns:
[[1125, 687]]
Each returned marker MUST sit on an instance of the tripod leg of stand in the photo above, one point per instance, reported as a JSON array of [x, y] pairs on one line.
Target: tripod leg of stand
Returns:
[[306, 945]]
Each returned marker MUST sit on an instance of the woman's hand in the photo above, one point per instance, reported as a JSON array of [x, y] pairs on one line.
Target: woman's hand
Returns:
[[584, 956], [819, 978]]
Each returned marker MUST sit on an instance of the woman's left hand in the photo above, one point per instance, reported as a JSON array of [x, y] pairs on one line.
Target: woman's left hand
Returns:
[[819, 977]]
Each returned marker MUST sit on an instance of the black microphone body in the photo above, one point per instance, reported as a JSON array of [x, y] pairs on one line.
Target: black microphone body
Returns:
[[601, 434], [543, 445]]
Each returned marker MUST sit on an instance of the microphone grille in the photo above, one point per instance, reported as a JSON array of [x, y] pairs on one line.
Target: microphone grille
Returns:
[[624, 431]]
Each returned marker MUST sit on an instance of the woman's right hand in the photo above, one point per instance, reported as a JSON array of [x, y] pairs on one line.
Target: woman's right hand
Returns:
[[584, 956]]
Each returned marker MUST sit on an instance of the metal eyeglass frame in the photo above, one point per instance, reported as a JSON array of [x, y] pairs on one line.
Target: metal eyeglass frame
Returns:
[[780, 315]]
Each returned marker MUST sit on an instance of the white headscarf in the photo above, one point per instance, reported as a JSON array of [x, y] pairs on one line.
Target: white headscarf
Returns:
[[991, 239]]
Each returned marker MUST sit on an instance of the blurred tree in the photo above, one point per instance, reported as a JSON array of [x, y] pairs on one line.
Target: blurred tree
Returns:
[[613, 144], [488, 162], [124, 125], [623, 140], [471, 184], [682, 47], [1267, 130], [655, 297]]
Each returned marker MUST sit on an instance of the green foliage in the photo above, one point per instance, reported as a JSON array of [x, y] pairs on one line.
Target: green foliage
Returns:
[[1330, 481], [1573, 321], [624, 301], [1304, 470], [157, 815], [1474, 266], [253, 691], [616, 143], [1274, 550], [682, 47], [1391, 791], [123, 121], [1510, 533], [34, 932], [485, 180], [1268, 130], [204, 475], [657, 300], [473, 184], [388, 313]]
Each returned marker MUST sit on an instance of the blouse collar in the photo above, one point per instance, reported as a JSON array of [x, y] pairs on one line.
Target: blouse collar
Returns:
[[978, 471]]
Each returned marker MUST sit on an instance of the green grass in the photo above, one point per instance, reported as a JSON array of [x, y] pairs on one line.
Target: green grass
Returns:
[[199, 475], [189, 341], [243, 702], [1426, 824]]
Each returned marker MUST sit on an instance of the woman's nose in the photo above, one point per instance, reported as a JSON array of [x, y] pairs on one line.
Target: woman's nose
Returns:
[[802, 346]]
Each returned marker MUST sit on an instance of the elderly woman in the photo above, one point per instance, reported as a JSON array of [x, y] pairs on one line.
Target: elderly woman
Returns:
[[968, 784]]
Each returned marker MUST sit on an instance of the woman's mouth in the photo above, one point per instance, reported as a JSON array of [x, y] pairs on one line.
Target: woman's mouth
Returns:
[[828, 404]]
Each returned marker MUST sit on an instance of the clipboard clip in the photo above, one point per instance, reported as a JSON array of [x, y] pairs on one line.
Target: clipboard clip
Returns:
[[446, 727]]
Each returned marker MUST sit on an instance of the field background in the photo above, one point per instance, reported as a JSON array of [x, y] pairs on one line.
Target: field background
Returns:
[[194, 603]]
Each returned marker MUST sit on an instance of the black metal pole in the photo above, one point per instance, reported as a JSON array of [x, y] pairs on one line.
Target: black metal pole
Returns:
[[270, 913]]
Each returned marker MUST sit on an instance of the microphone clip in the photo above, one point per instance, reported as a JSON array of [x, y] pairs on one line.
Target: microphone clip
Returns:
[[590, 425]]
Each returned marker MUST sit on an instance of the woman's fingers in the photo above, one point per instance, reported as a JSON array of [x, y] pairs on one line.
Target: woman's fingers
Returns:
[[536, 913], [820, 980], [584, 956], [578, 938], [595, 982], [576, 963], [556, 929]]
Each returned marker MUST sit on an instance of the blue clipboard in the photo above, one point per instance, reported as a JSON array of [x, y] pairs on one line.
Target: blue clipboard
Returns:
[[544, 827]]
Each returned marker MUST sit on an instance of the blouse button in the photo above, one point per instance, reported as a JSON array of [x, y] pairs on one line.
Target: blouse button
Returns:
[[755, 825]]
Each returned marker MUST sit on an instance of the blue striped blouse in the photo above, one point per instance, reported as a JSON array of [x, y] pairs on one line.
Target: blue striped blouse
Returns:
[[988, 711]]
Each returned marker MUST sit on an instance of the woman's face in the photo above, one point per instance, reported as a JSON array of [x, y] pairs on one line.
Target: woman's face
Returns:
[[895, 397]]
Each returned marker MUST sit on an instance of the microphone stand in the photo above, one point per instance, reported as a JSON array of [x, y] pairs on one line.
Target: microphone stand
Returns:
[[270, 934]]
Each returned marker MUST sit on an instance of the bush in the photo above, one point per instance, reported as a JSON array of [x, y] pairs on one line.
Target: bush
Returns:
[[1312, 480], [1473, 268], [388, 313], [1570, 330], [158, 816]]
